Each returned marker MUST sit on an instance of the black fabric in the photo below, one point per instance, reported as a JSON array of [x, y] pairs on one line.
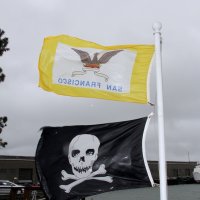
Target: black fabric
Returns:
[[120, 151]]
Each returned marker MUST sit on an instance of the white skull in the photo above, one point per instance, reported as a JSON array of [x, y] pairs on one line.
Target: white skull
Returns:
[[83, 152]]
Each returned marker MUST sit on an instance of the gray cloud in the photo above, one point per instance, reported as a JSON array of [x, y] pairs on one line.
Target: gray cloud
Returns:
[[106, 22]]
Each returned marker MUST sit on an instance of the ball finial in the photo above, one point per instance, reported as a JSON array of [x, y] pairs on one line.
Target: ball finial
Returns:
[[157, 26]]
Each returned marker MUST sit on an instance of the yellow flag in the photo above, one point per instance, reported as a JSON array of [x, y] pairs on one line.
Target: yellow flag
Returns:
[[74, 67]]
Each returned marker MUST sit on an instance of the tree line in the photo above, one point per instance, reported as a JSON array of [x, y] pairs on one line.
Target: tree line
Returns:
[[3, 49]]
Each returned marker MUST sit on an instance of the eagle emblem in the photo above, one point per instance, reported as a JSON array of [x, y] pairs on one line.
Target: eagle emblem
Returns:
[[93, 64]]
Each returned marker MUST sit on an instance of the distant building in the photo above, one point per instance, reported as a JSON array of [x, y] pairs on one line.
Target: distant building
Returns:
[[175, 169], [23, 168], [18, 167]]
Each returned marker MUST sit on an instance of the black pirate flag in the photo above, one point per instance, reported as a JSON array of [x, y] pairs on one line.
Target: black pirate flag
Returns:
[[79, 161]]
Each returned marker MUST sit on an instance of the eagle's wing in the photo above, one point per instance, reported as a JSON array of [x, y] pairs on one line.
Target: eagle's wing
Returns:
[[107, 56], [85, 57]]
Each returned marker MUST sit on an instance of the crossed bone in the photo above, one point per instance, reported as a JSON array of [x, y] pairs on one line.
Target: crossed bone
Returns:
[[66, 176]]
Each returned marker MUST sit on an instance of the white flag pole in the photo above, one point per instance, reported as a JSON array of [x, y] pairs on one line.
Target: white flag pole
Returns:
[[162, 162]]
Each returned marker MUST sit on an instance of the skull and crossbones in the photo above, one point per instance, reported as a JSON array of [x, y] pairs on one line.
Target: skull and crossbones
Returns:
[[83, 152]]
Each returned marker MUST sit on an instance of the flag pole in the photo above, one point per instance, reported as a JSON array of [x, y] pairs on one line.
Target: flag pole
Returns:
[[162, 162]]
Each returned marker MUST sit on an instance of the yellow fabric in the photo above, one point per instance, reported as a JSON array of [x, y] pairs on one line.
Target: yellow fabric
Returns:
[[139, 78]]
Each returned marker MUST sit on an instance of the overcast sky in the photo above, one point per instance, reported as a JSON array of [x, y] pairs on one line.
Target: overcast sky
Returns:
[[106, 22]]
